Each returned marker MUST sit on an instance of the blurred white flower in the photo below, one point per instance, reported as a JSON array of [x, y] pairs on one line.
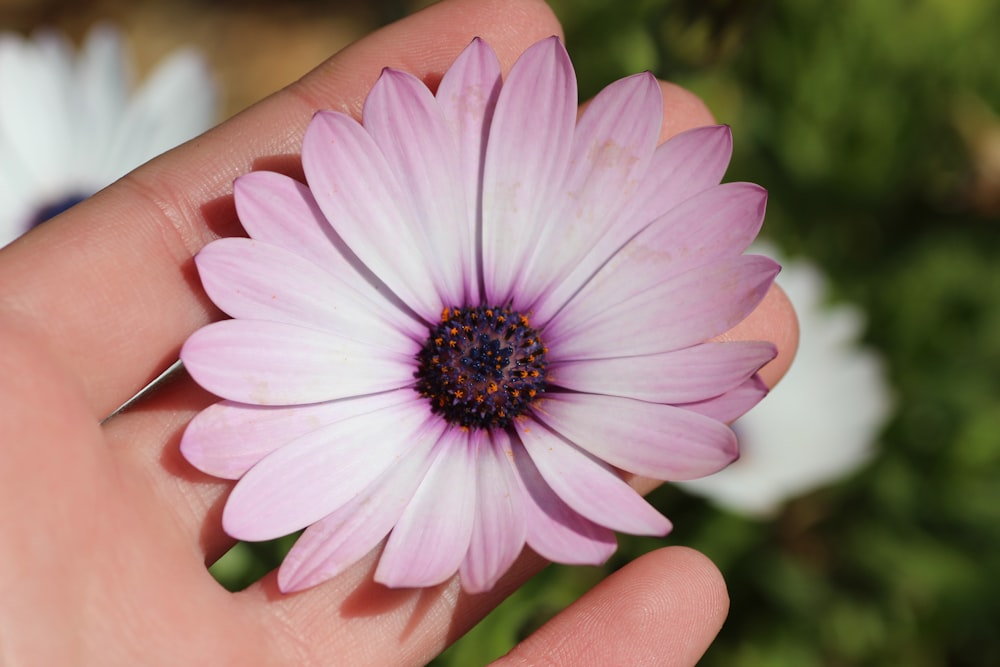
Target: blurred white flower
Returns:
[[71, 123], [821, 422]]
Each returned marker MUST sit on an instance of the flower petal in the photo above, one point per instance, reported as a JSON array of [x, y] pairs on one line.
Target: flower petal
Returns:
[[249, 279], [526, 157], [555, 531], [339, 540], [280, 211], [588, 485], [319, 472], [682, 167], [468, 96], [717, 223], [432, 536], [499, 527], [733, 404], [608, 161], [682, 311], [682, 376], [228, 438], [659, 441], [406, 122], [270, 363], [358, 193]]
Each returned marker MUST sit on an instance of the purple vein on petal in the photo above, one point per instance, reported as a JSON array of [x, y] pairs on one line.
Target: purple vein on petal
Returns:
[[683, 311], [499, 527], [712, 225], [683, 166], [554, 530], [432, 536], [733, 404], [526, 156], [468, 96], [360, 195], [607, 164], [406, 122], [228, 438], [320, 471], [279, 210], [587, 484], [659, 441], [270, 363], [340, 539], [254, 280], [682, 376]]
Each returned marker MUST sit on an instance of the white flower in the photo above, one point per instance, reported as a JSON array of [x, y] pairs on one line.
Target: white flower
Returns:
[[821, 422], [70, 123]]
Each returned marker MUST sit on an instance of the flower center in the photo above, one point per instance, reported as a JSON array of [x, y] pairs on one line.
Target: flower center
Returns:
[[481, 367]]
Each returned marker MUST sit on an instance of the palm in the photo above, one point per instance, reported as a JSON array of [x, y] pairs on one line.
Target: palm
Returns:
[[108, 529]]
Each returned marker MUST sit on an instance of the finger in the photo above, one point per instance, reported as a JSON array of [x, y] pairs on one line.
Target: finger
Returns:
[[774, 320], [664, 608], [87, 540], [117, 268], [369, 624]]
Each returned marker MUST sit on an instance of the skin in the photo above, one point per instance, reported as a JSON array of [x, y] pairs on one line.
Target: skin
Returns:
[[107, 530]]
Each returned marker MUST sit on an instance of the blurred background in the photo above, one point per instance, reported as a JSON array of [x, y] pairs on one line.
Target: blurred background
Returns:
[[876, 128]]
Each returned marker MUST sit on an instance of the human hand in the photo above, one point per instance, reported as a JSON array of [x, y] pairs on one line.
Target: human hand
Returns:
[[109, 529]]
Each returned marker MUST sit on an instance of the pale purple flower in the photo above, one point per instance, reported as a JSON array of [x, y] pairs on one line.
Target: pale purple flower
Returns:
[[477, 311]]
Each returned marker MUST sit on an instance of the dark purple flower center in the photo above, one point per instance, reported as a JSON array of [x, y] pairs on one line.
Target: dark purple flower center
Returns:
[[54, 208], [481, 367]]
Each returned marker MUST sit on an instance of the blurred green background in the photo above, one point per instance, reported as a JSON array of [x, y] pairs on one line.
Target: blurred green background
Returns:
[[876, 128]]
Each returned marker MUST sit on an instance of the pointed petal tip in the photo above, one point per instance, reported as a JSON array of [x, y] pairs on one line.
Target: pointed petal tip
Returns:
[[294, 580], [712, 140], [650, 80], [477, 588], [391, 74], [476, 584], [556, 46], [478, 48], [393, 577], [288, 583]]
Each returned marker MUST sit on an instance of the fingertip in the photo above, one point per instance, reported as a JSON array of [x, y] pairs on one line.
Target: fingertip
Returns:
[[702, 580], [773, 320], [664, 608], [682, 110], [425, 44]]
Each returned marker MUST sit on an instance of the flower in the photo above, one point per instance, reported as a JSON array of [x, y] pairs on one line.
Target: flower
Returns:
[[821, 423], [73, 125], [477, 309]]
